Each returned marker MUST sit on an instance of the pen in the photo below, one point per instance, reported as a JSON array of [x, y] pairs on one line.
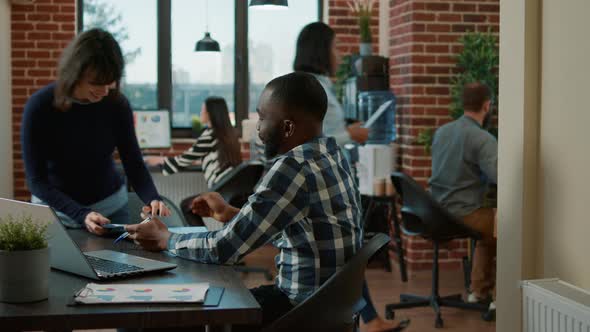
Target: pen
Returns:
[[126, 234]]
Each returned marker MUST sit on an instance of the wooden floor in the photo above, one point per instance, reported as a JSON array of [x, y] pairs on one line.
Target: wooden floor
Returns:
[[385, 288]]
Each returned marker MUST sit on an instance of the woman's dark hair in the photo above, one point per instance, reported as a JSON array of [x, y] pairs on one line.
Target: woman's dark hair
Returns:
[[228, 147], [314, 49], [93, 52]]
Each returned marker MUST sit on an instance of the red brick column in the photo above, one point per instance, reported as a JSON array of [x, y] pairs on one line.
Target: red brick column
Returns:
[[39, 33], [423, 45]]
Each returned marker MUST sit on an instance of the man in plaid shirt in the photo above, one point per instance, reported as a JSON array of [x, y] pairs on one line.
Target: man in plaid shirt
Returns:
[[307, 204]]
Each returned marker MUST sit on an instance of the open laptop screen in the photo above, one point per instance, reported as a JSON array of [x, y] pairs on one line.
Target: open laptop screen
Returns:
[[152, 128]]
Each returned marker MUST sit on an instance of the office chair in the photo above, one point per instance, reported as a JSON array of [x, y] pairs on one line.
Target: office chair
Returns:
[[237, 185], [176, 219], [423, 216], [335, 304]]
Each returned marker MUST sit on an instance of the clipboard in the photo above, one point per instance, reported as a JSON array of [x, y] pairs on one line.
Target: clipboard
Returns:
[[211, 298]]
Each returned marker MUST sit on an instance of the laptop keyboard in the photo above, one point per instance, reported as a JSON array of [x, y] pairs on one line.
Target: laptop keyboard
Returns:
[[111, 267]]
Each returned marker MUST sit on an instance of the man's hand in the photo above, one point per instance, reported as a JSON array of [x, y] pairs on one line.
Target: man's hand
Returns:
[[152, 235], [214, 206], [358, 133], [94, 222], [156, 208]]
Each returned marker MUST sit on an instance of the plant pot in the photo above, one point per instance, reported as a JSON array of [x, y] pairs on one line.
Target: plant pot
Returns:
[[24, 275], [365, 49]]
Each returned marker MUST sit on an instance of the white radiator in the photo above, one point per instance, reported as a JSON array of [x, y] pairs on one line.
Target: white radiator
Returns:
[[551, 305]]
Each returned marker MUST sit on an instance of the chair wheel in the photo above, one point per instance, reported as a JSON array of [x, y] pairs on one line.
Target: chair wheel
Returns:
[[438, 323], [389, 314], [489, 315]]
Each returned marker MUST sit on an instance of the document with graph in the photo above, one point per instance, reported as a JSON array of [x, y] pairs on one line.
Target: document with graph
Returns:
[[142, 293]]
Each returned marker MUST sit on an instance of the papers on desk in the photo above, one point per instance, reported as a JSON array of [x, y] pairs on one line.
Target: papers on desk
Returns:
[[142, 293]]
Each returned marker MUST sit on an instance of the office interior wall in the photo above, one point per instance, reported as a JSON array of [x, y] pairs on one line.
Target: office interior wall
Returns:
[[6, 177]]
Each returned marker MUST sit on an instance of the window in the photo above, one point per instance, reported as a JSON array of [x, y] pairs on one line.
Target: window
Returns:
[[198, 75], [126, 21], [272, 37], [158, 38]]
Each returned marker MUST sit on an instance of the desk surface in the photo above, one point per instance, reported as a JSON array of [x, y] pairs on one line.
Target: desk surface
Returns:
[[237, 305]]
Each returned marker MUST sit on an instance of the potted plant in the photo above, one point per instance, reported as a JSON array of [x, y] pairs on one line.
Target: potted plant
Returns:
[[363, 9], [196, 125], [477, 62], [24, 260]]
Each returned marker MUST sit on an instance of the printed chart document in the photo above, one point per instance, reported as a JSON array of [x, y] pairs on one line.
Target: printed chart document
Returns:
[[142, 293]]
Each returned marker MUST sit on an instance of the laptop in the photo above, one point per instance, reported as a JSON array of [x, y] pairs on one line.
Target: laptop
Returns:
[[65, 254]]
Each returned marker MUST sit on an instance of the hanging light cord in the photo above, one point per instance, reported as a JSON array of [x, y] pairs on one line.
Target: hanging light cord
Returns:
[[206, 15]]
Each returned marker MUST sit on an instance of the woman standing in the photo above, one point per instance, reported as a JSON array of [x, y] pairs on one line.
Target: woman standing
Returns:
[[316, 54], [217, 149], [69, 133]]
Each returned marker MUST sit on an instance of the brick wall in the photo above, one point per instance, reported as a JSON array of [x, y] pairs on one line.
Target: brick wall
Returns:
[[39, 32], [422, 47], [345, 24]]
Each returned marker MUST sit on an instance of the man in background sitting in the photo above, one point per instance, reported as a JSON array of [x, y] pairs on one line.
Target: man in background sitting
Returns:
[[464, 162]]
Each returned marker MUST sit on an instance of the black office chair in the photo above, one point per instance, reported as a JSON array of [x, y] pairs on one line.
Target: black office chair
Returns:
[[423, 216], [176, 219], [334, 306], [237, 185]]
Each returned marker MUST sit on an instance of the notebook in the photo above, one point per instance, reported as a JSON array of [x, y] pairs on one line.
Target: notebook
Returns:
[[142, 293]]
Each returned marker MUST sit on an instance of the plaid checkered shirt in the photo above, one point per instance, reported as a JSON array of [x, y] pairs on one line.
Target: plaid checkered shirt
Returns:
[[307, 205]]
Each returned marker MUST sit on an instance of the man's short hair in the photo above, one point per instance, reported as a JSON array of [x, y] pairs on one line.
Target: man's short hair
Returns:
[[475, 95], [300, 92]]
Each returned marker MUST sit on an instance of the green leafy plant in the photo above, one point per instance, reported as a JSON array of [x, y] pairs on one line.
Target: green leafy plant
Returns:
[[363, 9], [478, 62], [196, 124], [343, 72], [22, 233], [425, 139]]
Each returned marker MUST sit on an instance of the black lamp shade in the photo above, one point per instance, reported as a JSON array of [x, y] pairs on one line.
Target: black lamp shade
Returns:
[[207, 44], [284, 3]]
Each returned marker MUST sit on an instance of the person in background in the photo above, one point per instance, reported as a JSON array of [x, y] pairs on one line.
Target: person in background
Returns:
[[316, 53], [217, 149], [464, 163], [69, 132]]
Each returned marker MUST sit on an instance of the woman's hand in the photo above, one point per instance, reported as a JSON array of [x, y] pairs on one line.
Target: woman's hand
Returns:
[[358, 133], [214, 206], [156, 208], [94, 222], [154, 160]]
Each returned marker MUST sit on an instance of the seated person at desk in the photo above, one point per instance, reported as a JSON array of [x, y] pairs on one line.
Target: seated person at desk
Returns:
[[70, 130], [288, 207], [217, 148], [464, 161]]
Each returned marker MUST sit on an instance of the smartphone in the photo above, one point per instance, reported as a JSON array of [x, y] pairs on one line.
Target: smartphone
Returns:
[[114, 228]]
